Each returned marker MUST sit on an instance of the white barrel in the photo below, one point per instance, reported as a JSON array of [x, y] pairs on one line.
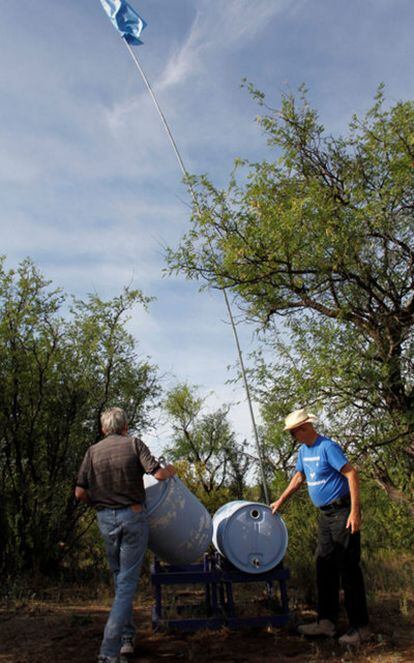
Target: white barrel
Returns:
[[180, 527], [250, 536]]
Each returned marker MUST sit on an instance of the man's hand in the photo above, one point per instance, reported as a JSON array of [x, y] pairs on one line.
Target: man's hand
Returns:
[[81, 494], [276, 505], [354, 522], [295, 483], [164, 473]]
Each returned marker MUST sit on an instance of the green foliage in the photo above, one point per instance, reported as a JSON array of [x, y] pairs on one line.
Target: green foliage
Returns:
[[214, 466], [193, 477], [320, 237], [386, 525], [56, 376]]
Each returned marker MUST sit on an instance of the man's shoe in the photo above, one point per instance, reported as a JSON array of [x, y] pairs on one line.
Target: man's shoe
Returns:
[[128, 645], [355, 636], [323, 627]]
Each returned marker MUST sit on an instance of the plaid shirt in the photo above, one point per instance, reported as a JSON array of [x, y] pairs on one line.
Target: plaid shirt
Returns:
[[112, 472]]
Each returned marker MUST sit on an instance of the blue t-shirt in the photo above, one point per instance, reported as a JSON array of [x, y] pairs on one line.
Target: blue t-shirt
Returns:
[[321, 464]]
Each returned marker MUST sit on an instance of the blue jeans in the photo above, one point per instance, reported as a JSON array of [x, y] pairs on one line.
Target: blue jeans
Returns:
[[125, 534]]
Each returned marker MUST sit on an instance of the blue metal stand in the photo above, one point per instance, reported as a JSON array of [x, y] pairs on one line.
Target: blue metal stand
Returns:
[[217, 576]]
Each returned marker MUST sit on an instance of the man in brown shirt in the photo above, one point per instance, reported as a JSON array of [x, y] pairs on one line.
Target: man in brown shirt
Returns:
[[111, 480]]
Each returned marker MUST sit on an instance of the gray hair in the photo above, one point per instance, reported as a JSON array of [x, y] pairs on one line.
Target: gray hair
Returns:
[[114, 421]]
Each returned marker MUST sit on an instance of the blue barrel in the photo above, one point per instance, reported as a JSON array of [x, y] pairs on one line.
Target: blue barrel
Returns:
[[250, 536], [180, 527]]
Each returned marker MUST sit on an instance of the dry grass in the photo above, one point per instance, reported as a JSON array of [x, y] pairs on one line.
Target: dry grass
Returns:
[[70, 628], [64, 624]]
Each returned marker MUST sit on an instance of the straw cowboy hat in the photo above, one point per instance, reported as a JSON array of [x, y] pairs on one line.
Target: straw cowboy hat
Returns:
[[297, 418]]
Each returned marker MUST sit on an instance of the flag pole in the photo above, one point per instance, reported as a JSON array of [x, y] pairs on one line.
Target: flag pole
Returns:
[[157, 106], [226, 299], [249, 400]]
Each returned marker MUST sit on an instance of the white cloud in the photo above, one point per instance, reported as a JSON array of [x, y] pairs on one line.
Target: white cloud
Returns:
[[242, 20], [216, 28], [186, 59]]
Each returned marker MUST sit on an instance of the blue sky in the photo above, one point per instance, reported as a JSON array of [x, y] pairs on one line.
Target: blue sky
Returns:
[[89, 185]]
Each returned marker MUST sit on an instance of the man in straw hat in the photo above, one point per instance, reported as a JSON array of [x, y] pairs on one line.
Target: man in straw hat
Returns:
[[333, 487]]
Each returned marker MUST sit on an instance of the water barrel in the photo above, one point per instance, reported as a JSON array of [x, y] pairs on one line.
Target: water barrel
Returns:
[[180, 527], [250, 536]]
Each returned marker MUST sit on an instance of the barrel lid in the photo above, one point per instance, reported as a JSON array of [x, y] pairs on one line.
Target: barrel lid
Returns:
[[155, 492], [255, 539]]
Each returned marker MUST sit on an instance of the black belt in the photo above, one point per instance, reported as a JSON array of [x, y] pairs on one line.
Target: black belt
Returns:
[[342, 501]]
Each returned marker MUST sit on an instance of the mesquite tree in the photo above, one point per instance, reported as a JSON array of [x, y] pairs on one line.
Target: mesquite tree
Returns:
[[207, 442], [59, 368], [317, 245]]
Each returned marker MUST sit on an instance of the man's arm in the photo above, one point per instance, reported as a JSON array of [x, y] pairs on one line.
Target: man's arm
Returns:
[[354, 519], [82, 482], [164, 473], [294, 485], [150, 464]]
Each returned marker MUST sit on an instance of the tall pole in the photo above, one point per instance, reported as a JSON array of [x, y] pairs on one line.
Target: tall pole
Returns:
[[249, 400], [160, 113], [226, 299]]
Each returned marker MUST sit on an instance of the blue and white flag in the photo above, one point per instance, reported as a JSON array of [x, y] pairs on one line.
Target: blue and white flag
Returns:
[[125, 19]]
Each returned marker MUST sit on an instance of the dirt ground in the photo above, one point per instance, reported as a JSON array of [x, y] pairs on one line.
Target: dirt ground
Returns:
[[64, 631]]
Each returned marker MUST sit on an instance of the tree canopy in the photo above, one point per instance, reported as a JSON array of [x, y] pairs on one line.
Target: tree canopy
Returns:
[[63, 362], [319, 237], [216, 465]]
